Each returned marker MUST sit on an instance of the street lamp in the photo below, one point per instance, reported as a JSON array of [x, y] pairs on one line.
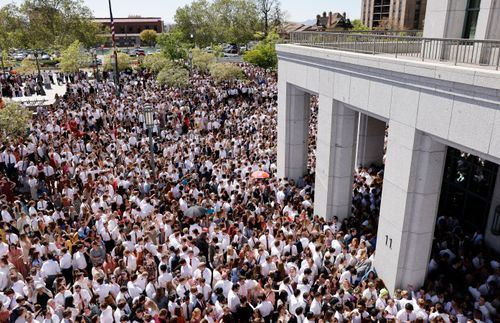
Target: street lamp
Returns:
[[190, 56], [95, 65], [149, 120], [92, 54], [39, 77], [37, 66], [3, 66]]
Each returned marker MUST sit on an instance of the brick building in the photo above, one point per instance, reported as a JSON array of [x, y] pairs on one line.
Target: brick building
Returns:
[[128, 29]]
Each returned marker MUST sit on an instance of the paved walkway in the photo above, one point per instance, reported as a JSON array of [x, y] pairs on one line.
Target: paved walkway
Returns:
[[49, 98]]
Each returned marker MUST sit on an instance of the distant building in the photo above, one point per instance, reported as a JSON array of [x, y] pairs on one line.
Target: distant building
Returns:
[[333, 22], [127, 30], [393, 14], [330, 22]]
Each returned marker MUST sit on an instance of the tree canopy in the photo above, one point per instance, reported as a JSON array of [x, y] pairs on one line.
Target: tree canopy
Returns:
[[28, 66], [172, 44], [47, 24], [225, 72], [270, 14], [220, 21], [174, 76], [73, 57], [14, 119], [148, 36], [357, 25], [124, 62], [202, 60], [264, 54]]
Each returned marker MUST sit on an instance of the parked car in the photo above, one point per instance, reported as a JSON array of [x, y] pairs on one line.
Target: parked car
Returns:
[[231, 49]]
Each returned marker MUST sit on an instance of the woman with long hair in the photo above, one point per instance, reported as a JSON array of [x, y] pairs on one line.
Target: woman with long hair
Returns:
[[15, 257]]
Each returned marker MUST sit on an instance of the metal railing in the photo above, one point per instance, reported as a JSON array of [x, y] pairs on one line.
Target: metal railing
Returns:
[[402, 33], [456, 51]]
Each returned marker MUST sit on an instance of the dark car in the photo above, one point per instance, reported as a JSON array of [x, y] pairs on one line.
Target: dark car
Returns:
[[231, 49]]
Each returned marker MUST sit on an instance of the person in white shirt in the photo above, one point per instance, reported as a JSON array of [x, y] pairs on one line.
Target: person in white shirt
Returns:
[[406, 314], [265, 307], [203, 272], [233, 300], [185, 269], [50, 268], [81, 296], [130, 261], [316, 304], [79, 261]]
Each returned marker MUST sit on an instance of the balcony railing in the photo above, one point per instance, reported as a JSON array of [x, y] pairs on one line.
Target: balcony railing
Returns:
[[455, 51]]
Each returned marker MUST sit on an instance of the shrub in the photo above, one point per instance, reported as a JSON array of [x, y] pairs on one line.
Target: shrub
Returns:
[[14, 119], [173, 76], [225, 72], [124, 62], [202, 60]]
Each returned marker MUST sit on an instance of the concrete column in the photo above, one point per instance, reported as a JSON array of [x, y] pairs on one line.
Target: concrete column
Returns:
[[488, 21], [371, 135], [410, 199], [444, 18], [293, 131], [493, 241], [335, 150]]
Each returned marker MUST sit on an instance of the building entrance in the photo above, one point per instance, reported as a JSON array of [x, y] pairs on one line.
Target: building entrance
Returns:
[[467, 189]]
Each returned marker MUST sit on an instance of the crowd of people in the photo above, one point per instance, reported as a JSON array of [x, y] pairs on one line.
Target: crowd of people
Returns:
[[89, 233], [26, 85]]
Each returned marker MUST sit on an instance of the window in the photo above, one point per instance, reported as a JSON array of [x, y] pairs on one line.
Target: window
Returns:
[[471, 16]]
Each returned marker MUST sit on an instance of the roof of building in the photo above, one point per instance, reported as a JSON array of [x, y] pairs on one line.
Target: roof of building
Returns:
[[131, 19]]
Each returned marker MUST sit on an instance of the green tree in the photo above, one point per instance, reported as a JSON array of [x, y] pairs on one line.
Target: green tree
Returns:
[[48, 24], [358, 25], [14, 119], [196, 19], [148, 36], [270, 14], [28, 66], [264, 54], [225, 72], [202, 60], [236, 21], [223, 21], [12, 27], [124, 62], [73, 58], [173, 76], [218, 51], [172, 44], [156, 62]]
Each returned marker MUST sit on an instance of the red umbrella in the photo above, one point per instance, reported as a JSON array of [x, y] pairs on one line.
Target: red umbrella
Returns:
[[260, 174]]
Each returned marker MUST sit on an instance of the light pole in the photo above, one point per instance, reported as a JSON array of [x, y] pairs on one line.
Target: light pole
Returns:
[[115, 54], [3, 75], [190, 56], [149, 120], [37, 66], [94, 61], [3, 66], [39, 77], [96, 67]]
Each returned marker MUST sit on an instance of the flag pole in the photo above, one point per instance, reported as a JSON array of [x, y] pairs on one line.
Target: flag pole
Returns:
[[115, 54]]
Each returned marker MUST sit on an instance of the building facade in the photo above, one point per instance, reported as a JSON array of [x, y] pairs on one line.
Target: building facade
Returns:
[[127, 30], [393, 14], [443, 125]]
